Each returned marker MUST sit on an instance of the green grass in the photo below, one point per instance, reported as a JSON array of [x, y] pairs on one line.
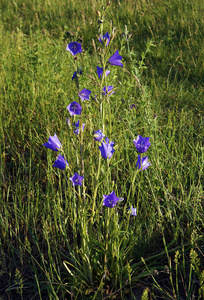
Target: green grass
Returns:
[[56, 244]]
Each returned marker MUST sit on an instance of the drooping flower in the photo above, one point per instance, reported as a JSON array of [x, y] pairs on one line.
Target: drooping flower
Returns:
[[133, 211], [115, 59], [142, 163], [106, 148], [79, 71], [74, 48], [105, 38], [74, 75], [110, 200], [77, 130], [53, 143], [74, 108], [60, 162], [142, 144], [98, 135], [108, 88], [76, 179], [100, 72], [84, 94]]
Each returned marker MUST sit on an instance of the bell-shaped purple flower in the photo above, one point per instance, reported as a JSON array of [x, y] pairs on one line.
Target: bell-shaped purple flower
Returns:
[[60, 162], [133, 211], [53, 143], [77, 130], [110, 200], [100, 72], [98, 135], [84, 94], [108, 88], [142, 144], [74, 48], [76, 179], [105, 38], [142, 163], [106, 148], [115, 59], [74, 108]]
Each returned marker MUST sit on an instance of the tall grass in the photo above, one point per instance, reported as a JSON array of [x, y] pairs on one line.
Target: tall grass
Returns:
[[50, 246]]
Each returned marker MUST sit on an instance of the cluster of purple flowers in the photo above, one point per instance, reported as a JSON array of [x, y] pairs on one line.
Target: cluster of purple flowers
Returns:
[[77, 125], [111, 201], [142, 145], [61, 163], [106, 147]]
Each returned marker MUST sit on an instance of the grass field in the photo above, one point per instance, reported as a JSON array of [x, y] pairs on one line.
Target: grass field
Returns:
[[58, 241]]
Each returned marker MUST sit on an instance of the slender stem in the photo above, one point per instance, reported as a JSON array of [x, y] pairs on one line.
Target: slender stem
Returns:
[[108, 175], [96, 188], [82, 159], [107, 234]]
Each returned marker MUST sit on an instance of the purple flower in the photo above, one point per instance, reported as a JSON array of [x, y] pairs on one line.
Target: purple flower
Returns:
[[133, 211], [106, 148], [84, 94], [53, 143], [132, 106], [74, 108], [105, 38], [100, 72], [76, 131], [60, 162], [75, 73], [115, 59], [142, 163], [76, 179], [98, 135], [74, 48], [108, 88], [142, 144], [110, 200]]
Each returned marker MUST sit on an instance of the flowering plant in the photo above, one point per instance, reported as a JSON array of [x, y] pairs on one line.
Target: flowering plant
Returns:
[[91, 199]]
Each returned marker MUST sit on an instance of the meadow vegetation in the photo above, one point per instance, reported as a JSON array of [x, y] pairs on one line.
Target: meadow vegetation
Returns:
[[57, 242]]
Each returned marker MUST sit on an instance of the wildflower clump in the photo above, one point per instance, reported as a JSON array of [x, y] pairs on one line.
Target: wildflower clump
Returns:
[[91, 198]]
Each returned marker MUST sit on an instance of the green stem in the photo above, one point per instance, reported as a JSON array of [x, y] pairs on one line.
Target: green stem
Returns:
[[82, 159], [96, 186], [107, 234]]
